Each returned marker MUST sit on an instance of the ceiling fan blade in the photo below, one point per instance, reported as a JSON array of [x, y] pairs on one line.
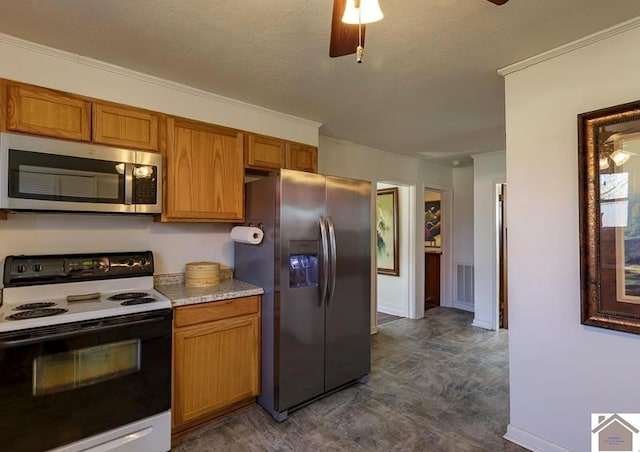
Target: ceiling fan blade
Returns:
[[498, 2], [344, 37]]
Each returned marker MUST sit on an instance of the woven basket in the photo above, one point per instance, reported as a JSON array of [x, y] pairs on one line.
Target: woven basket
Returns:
[[202, 274]]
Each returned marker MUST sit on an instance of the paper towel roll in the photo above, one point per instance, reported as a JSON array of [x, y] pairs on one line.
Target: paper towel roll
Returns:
[[247, 234]]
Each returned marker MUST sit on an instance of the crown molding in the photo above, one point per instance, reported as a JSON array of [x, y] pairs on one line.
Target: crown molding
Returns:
[[570, 47], [129, 73], [488, 154]]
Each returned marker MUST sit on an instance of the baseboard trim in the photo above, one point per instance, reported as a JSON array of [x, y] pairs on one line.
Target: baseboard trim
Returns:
[[391, 310], [530, 441], [463, 306], [482, 324]]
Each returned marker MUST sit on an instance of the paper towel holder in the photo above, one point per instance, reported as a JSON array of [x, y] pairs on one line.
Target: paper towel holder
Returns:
[[259, 226]]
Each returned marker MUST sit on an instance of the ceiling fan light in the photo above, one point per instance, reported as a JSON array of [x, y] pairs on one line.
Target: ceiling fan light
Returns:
[[604, 163], [369, 9], [620, 157]]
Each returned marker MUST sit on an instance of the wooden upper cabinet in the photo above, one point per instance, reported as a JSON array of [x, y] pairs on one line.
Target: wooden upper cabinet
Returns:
[[205, 173], [128, 127], [302, 157], [262, 152], [42, 111]]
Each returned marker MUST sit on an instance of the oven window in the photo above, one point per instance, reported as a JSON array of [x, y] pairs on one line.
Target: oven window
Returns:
[[86, 366]]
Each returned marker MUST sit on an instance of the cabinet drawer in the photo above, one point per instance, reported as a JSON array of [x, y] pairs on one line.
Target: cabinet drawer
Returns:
[[215, 310]]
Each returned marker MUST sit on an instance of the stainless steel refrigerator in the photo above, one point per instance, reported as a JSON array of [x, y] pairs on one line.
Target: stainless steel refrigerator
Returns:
[[315, 266]]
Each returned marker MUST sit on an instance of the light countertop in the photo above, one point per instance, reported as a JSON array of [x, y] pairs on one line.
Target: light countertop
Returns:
[[181, 295]]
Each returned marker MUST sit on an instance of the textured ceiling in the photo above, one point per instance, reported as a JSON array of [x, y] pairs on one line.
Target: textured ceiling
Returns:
[[428, 83]]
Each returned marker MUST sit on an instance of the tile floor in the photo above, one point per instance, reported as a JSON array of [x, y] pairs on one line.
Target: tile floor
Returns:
[[436, 384], [382, 318]]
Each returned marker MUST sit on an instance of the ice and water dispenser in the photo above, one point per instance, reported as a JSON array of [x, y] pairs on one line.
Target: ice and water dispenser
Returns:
[[303, 263]]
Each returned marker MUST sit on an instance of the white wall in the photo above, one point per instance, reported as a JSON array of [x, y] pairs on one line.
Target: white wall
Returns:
[[488, 170], [463, 215], [173, 244], [560, 370], [393, 291], [343, 158]]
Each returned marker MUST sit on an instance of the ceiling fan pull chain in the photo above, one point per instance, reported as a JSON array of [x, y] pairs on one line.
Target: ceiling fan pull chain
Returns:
[[359, 49]]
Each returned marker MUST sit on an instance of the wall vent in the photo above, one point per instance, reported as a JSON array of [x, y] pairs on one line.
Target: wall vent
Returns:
[[464, 283]]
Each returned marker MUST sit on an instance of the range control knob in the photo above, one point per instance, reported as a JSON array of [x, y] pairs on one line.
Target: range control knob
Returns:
[[37, 267], [130, 262], [143, 261], [21, 268]]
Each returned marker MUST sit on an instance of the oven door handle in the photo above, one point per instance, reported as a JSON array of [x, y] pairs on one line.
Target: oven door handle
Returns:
[[97, 328]]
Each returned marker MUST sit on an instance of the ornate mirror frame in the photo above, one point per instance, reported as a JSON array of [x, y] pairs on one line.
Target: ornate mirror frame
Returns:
[[609, 196]]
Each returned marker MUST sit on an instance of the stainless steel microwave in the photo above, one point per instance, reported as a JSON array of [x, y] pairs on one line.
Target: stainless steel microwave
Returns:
[[56, 175]]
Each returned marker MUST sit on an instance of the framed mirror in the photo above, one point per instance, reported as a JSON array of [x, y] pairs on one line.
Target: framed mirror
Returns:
[[609, 171]]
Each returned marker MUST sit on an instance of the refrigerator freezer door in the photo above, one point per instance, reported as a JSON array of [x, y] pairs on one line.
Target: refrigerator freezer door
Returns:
[[348, 310], [300, 311]]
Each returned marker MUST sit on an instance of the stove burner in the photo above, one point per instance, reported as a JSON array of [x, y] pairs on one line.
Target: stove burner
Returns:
[[138, 301], [23, 307], [34, 313], [128, 295]]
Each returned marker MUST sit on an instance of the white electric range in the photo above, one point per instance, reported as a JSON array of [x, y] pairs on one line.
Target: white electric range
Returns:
[[85, 340]]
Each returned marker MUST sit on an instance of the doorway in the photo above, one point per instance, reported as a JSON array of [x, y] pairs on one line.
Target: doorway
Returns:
[[395, 282], [432, 248]]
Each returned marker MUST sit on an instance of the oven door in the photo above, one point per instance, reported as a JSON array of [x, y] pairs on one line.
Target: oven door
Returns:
[[72, 381]]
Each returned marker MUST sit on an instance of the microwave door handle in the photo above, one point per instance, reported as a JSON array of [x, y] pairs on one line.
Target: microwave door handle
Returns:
[[128, 183]]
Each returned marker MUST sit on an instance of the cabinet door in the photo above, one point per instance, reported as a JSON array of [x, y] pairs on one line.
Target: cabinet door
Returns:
[[432, 278], [41, 111], [301, 157], [264, 152], [125, 126], [205, 173], [216, 365]]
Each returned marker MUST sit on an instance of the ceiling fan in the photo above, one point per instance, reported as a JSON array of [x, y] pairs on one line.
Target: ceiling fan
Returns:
[[348, 38]]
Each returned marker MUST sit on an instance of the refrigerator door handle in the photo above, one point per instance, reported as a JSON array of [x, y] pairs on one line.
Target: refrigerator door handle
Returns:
[[332, 241], [325, 260]]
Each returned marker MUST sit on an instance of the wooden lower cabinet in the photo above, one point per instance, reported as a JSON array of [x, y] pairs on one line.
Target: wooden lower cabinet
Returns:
[[216, 363]]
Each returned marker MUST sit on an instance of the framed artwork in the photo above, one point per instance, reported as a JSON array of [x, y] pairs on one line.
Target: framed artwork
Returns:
[[387, 231], [432, 223], [609, 170]]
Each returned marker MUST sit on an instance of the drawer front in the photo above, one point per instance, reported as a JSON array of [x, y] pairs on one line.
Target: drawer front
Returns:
[[215, 310]]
